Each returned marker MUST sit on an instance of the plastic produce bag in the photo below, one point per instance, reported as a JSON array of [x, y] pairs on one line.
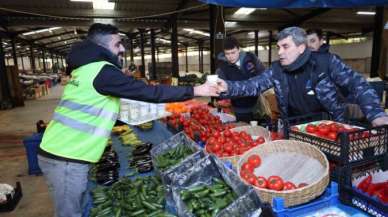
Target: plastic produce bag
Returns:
[[202, 173], [175, 172]]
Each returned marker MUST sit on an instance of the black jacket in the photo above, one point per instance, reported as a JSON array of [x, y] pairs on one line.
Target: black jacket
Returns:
[[250, 66], [324, 84], [111, 81]]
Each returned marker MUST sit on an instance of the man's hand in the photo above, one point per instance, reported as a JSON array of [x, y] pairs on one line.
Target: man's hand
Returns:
[[206, 89], [222, 86], [380, 121]]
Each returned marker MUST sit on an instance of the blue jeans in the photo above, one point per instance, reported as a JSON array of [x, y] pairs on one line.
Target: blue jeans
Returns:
[[67, 183]]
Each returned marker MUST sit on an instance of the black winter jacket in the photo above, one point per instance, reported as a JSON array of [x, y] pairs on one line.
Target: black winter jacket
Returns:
[[111, 81]]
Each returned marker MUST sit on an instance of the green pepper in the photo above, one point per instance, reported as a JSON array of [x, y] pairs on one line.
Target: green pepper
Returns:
[[148, 205], [138, 212]]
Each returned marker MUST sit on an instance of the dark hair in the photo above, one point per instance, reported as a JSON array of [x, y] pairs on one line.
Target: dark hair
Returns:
[[316, 31], [98, 32], [231, 43]]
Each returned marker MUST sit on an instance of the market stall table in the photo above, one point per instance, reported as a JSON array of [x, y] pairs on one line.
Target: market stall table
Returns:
[[156, 135]]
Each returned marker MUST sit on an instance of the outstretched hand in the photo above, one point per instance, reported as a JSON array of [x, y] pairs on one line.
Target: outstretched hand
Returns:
[[380, 121], [222, 86], [206, 89]]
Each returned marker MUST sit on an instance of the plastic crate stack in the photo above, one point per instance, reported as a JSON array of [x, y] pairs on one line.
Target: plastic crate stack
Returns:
[[350, 147], [354, 156]]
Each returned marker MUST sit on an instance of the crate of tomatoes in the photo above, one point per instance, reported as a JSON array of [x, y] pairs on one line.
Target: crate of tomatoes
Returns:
[[293, 170], [365, 186], [229, 145], [342, 143]]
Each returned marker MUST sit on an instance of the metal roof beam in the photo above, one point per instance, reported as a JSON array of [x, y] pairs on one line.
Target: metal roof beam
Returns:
[[58, 35], [300, 20], [62, 40]]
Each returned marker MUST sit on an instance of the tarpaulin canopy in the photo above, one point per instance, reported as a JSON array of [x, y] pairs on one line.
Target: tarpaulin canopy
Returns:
[[297, 3]]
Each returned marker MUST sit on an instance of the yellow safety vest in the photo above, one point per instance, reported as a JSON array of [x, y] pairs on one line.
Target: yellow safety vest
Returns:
[[83, 120]]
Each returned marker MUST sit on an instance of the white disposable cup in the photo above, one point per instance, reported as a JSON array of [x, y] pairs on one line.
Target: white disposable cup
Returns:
[[153, 109], [212, 79], [144, 109], [253, 123]]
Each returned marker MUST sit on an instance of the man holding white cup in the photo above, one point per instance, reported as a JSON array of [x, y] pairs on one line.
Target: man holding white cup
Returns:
[[237, 65]]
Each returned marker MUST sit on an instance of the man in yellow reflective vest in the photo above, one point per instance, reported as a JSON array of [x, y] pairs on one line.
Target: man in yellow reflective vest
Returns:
[[82, 122]]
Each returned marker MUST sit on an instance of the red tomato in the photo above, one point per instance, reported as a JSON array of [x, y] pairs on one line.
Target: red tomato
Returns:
[[227, 133], [332, 136], [323, 129], [289, 186], [260, 140], [341, 129], [228, 147], [275, 183], [247, 166], [301, 185], [254, 160], [333, 127], [365, 134], [254, 144], [251, 179], [261, 182], [244, 134], [310, 128], [216, 147], [244, 174], [211, 140], [221, 140]]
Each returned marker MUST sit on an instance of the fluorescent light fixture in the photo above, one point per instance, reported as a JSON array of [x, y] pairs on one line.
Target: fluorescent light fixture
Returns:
[[41, 30], [103, 20], [230, 24], [103, 4], [244, 11], [370, 13], [99, 4], [122, 34], [164, 40], [191, 31]]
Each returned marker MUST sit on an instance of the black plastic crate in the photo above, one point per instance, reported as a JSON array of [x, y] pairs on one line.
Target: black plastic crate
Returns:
[[12, 201], [352, 196], [344, 150], [364, 146]]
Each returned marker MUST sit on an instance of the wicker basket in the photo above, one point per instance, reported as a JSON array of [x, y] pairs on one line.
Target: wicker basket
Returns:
[[297, 196]]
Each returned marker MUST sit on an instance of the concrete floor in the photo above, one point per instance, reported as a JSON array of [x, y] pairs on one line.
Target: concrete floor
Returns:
[[15, 125]]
